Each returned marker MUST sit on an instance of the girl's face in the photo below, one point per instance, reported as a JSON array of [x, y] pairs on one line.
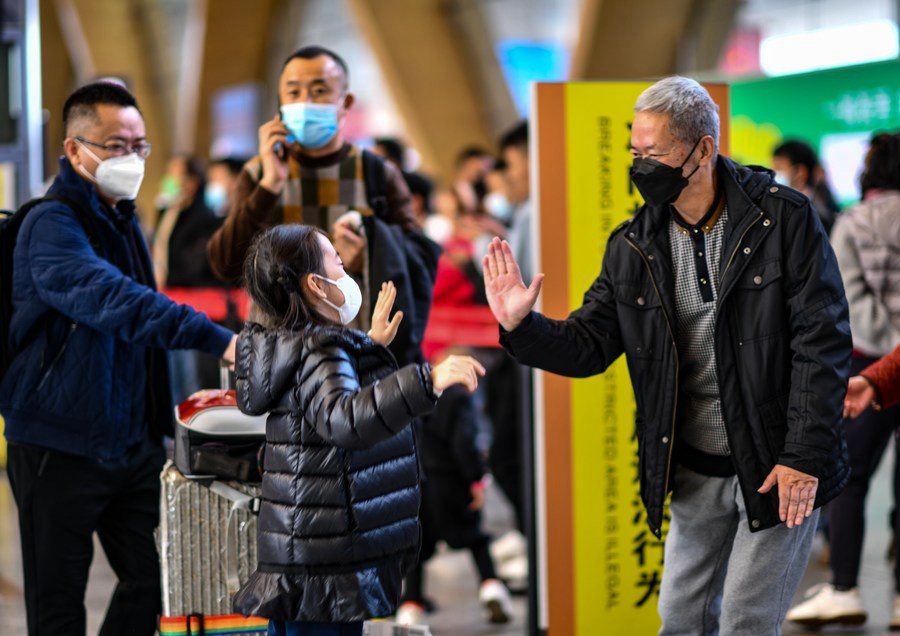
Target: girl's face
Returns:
[[334, 269], [334, 266]]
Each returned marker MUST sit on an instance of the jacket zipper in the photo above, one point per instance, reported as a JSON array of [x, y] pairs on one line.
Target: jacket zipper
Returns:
[[738, 246], [719, 305], [56, 358], [677, 366]]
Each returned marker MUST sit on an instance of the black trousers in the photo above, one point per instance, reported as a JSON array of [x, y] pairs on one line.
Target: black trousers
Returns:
[[508, 396], [867, 438], [62, 500], [445, 516]]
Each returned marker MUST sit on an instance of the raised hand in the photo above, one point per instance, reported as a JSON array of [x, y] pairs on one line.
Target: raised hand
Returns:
[[509, 299], [860, 395], [384, 328], [463, 370], [273, 135]]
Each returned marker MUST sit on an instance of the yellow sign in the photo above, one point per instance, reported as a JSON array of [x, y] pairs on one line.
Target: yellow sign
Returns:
[[603, 565]]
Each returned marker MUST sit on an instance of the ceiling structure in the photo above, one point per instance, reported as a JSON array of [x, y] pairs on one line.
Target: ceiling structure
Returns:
[[424, 70]]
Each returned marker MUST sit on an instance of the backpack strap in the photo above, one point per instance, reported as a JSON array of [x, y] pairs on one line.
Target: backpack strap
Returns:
[[86, 219], [375, 178]]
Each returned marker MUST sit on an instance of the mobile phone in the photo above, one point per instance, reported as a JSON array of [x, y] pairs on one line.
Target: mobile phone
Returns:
[[281, 150]]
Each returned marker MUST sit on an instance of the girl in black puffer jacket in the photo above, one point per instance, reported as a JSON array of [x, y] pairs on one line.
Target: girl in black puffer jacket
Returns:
[[338, 526]]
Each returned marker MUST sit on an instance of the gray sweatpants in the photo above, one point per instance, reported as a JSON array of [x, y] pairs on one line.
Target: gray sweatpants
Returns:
[[719, 578]]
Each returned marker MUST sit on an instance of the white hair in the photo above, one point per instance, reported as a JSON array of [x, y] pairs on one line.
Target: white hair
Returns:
[[693, 113]]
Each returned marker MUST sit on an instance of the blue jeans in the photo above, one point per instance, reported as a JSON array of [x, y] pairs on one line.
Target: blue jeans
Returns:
[[719, 577], [306, 628]]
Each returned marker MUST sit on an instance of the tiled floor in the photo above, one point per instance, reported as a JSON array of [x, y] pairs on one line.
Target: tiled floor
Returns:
[[452, 581]]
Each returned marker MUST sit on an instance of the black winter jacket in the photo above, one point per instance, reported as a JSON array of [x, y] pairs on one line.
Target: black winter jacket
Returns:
[[188, 265], [338, 525], [782, 341]]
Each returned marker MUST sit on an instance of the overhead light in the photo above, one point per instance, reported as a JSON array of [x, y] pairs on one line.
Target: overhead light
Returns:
[[829, 47]]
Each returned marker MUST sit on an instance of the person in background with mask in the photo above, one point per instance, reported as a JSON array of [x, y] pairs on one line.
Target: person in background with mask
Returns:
[[307, 172], [796, 165], [86, 399], [472, 163], [725, 297], [184, 227], [496, 201], [221, 181]]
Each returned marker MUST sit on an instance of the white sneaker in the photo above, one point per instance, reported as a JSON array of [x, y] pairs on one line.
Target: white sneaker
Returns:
[[509, 546], [496, 600], [894, 625], [514, 572], [825, 605], [410, 613]]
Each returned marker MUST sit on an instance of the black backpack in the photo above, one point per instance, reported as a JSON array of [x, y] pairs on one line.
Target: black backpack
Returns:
[[420, 252], [10, 223]]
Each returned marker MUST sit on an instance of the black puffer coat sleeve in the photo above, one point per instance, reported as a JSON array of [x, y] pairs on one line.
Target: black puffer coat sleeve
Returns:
[[315, 375], [350, 416]]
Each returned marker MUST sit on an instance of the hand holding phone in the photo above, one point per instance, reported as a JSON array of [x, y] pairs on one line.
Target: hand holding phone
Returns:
[[273, 139], [281, 148]]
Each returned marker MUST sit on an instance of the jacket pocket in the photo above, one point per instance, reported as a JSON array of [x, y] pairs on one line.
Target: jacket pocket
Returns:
[[48, 370], [758, 301], [642, 322]]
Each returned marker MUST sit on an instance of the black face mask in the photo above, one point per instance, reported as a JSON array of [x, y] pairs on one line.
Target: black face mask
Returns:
[[659, 183]]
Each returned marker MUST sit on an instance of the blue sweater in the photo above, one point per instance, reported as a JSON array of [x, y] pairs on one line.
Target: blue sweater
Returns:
[[87, 330]]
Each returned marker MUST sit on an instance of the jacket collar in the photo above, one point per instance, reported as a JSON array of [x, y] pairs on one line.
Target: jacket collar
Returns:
[[70, 184], [742, 185]]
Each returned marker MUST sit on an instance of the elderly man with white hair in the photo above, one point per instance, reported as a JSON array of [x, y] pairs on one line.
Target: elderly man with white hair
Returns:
[[725, 297]]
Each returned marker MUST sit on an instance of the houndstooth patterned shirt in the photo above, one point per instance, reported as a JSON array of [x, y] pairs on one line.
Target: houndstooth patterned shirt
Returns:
[[696, 254]]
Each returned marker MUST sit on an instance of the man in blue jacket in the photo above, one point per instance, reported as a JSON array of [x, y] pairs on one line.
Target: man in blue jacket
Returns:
[[725, 297], [86, 399]]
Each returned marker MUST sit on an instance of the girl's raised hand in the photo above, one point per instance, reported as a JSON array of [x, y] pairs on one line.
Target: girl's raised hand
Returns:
[[384, 328]]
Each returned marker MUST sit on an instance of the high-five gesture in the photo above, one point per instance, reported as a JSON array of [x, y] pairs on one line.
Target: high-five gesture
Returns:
[[384, 328], [510, 300]]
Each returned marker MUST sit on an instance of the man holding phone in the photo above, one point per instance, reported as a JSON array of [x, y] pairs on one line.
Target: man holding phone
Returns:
[[306, 172]]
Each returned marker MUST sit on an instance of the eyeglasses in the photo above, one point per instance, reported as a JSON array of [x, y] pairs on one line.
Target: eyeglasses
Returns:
[[118, 149]]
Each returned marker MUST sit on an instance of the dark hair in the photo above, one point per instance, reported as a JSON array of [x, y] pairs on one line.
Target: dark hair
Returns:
[[799, 153], [277, 262], [233, 164], [194, 168], [470, 152], [421, 186], [392, 148], [882, 168], [313, 51], [515, 137], [83, 102]]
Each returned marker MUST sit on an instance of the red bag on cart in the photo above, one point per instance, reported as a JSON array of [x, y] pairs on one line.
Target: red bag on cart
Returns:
[[213, 439]]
